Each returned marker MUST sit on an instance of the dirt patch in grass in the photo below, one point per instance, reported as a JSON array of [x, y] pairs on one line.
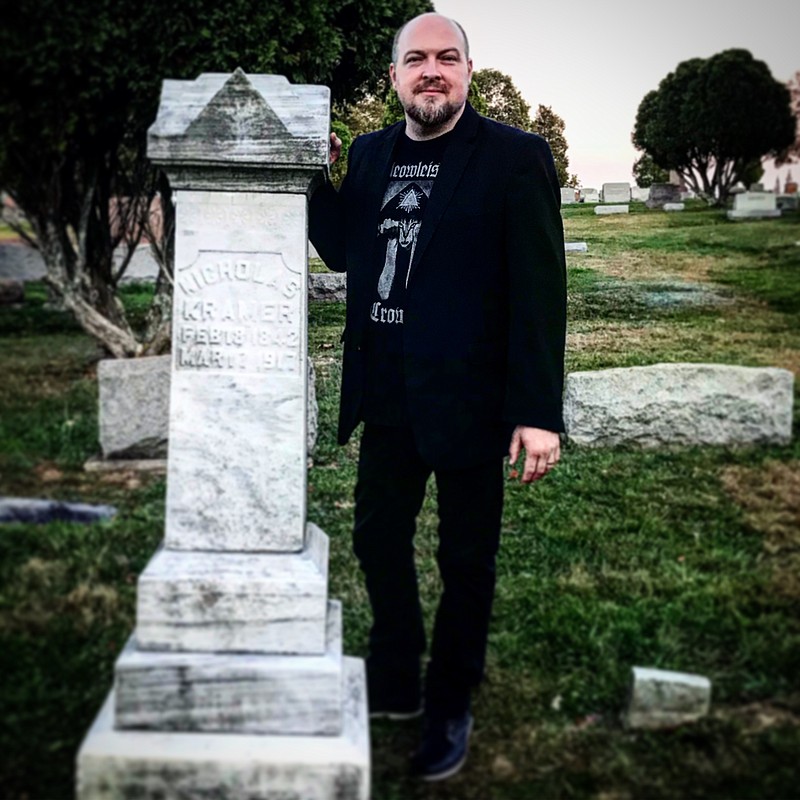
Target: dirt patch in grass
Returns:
[[755, 718], [653, 265], [770, 497]]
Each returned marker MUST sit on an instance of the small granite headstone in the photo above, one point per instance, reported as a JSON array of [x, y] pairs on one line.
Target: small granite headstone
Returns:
[[590, 196], [640, 194], [754, 205], [616, 193], [602, 209], [567, 195], [661, 193], [663, 699], [674, 206]]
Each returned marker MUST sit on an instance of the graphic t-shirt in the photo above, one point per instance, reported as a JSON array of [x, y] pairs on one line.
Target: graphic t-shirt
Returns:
[[412, 173]]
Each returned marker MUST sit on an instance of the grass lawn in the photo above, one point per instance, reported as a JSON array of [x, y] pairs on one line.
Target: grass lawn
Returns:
[[680, 559]]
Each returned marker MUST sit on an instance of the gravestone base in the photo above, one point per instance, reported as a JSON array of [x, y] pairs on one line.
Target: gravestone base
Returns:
[[233, 692], [618, 209], [754, 213], [118, 765]]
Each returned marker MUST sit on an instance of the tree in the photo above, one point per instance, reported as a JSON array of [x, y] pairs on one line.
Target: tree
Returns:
[[87, 78], [550, 126], [503, 100], [712, 118], [792, 153], [646, 172]]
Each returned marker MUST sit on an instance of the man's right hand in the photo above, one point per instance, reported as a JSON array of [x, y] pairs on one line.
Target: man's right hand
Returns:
[[336, 148]]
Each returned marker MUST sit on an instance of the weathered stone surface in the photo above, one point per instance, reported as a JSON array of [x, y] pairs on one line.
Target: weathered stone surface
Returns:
[[661, 193], [663, 699], [640, 194], [11, 292], [682, 404], [575, 247], [114, 764], [134, 407], [235, 602], [568, 195], [611, 209], [754, 205], [327, 286], [616, 193], [590, 196], [32, 511], [237, 693]]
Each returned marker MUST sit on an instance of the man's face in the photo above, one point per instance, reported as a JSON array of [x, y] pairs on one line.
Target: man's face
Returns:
[[432, 73]]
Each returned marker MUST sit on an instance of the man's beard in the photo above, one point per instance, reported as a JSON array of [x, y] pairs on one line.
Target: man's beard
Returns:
[[430, 115]]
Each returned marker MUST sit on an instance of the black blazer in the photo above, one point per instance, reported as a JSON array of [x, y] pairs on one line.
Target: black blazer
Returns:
[[485, 316]]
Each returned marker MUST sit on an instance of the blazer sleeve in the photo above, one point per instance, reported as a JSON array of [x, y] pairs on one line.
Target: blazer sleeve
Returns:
[[327, 217], [537, 290]]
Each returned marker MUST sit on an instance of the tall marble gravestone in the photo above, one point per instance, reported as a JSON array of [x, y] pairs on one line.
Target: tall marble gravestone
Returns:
[[233, 684]]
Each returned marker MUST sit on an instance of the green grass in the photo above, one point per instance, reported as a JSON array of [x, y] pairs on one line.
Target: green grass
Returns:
[[618, 558]]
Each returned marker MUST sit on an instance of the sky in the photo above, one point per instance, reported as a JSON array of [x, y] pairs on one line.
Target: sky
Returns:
[[594, 60]]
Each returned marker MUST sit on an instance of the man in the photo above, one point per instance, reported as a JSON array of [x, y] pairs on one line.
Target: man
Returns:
[[448, 226]]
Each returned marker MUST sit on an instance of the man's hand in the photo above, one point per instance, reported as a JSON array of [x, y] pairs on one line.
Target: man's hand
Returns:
[[336, 148], [542, 451]]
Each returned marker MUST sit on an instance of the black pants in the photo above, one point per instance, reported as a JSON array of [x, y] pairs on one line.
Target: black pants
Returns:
[[389, 494]]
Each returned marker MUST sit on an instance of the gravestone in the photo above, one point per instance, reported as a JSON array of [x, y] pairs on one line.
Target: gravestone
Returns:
[[754, 205], [640, 194], [567, 195], [674, 206], [616, 193], [575, 247], [234, 684], [661, 699], [661, 193], [679, 404], [590, 196], [620, 209]]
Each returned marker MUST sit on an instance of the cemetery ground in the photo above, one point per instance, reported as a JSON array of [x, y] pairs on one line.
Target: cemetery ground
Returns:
[[684, 559]]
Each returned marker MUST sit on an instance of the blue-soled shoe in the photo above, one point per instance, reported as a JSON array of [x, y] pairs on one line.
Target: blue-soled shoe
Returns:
[[444, 746]]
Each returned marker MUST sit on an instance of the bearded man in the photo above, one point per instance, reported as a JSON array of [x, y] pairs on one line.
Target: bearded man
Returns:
[[448, 227]]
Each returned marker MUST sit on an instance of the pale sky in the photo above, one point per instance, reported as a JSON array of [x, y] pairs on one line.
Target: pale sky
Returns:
[[594, 60]]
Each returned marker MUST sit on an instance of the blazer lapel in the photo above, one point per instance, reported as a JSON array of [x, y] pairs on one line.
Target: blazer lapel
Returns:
[[454, 162], [378, 166]]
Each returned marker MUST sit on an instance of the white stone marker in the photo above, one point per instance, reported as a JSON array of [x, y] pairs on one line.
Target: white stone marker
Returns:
[[611, 209], [754, 205], [674, 206], [233, 684], [640, 194], [663, 699], [590, 195], [616, 193], [575, 247], [679, 404], [567, 195]]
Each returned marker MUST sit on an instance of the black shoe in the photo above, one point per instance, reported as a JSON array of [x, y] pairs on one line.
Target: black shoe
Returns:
[[444, 747]]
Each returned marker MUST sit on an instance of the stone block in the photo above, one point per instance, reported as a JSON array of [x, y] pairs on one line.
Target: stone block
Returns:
[[233, 692], [235, 602], [116, 764], [616, 193], [754, 205], [575, 247], [612, 209], [590, 196], [674, 206], [662, 699], [568, 195], [640, 194], [327, 286], [679, 404], [661, 193], [134, 407]]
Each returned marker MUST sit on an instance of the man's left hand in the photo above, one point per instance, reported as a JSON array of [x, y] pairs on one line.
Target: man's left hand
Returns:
[[542, 451]]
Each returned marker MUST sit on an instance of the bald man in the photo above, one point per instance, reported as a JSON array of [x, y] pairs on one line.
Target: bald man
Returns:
[[449, 229]]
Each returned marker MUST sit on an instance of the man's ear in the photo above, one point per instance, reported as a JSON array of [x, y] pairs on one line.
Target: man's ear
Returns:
[[469, 69], [392, 76]]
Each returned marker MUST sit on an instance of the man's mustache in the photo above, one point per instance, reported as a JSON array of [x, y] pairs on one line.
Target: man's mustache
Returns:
[[429, 84]]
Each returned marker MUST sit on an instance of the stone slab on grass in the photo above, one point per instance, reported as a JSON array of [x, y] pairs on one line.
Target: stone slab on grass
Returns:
[[679, 404], [575, 247], [663, 699], [619, 209], [116, 764]]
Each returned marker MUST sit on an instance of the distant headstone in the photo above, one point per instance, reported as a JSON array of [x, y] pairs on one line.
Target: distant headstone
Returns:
[[679, 404], [640, 194], [661, 699], [575, 247], [590, 195], [11, 292], [787, 202], [616, 193], [756, 187], [674, 206], [612, 209], [568, 195], [661, 193], [754, 205]]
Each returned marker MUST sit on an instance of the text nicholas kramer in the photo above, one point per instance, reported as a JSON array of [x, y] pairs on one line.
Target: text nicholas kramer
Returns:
[[252, 322]]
